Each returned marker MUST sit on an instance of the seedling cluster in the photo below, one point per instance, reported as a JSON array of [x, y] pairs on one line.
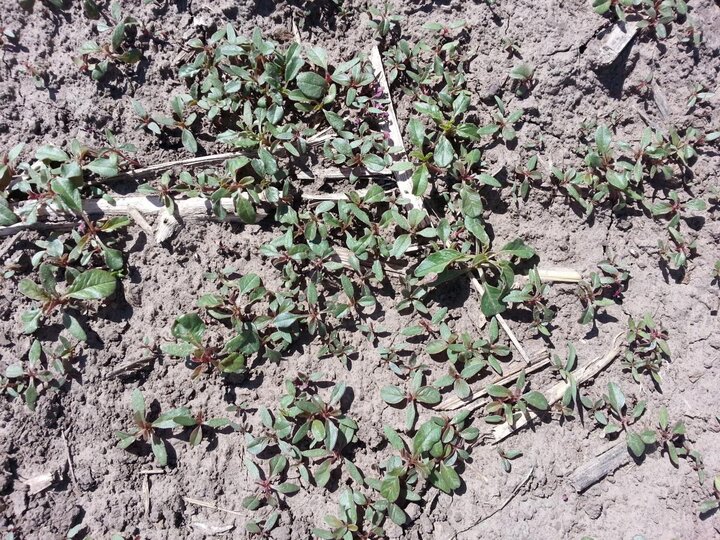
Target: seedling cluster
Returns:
[[280, 106]]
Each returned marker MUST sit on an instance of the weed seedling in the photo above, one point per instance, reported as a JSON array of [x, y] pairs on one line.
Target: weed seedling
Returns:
[[97, 58], [604, 288], [509, 403], [269, 486], [647, 348], [621, 417], [417, 393], [84, 287], [711, 505], [506, 456], [147, 430]]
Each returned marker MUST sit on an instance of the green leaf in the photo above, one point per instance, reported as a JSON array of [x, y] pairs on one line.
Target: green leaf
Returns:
[[491, 303], [437, 262], [32, 290], [68, 194], [635, 444], [518, 248], [159, 450], [392, 395], [616, 397], [536, 400], [188, 141], [444, 152], [189, 328], [93, 284], [390, 488], [245, 209], [445, 478], [312, 85], [104, 167], [51, 153]]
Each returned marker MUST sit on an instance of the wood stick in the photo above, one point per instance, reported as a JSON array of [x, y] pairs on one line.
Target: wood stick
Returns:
[[615, 42], [403, 178], [188, 209], [211, 505], [541, 360], [555, 393], [594, 470]]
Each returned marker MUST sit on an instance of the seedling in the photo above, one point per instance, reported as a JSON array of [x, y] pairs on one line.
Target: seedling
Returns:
[[711, 505], [269, 486], [417, 393], [506, 120], [262, 528], [522, 76], [97, 58], [359, 517], [26, 380], [147, 430], [88, 286], [534, 296], [572, 399], [199, 422], [382, 21], [674, 208], [620, 417], [698, 94], [677, 250], [604, 288], [509, 403], [670, 437], [189, 330], [506, 456], [647, 348]]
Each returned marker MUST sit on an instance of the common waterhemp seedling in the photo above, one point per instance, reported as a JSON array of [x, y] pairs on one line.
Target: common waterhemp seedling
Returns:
[[416, 393], [534, 296], [677, 250], [671, 437], [506, 456], [509, 403], [192, 346], [602, 289], [620, 417], [91, 285], [200, 422], [97, 58], [26, 380], [382, 21], [647, 348], [711, 505], [269, 485], [148, 430]]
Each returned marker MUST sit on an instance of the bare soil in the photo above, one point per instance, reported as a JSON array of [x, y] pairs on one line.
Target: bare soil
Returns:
[[652, 498]]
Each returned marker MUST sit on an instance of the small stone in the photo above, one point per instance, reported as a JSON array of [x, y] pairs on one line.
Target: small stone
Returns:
[[593, 510]]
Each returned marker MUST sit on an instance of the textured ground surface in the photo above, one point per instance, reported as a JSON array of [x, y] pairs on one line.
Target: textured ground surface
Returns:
[[652, 499]]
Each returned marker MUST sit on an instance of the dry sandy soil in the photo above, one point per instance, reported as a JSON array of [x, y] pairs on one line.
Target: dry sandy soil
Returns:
[[651, 499]]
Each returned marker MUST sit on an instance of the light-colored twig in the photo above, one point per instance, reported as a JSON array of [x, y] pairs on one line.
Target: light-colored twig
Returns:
[[141, 222], [502, 505], [211, 505], [597, 468], [403, 178], [187, 209], [555, 393]]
